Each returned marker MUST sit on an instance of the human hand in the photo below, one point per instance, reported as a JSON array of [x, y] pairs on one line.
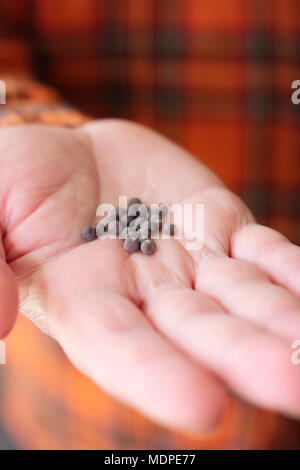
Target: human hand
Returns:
[[169, 334]]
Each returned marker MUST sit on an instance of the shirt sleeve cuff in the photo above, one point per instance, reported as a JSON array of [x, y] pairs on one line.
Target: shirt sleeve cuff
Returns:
[[27, 101]]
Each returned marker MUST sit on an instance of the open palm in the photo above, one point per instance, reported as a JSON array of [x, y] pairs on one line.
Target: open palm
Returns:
[[169, 334]]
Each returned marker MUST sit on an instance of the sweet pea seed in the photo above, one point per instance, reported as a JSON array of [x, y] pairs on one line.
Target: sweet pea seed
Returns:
[[148, 247], [88, 233], [127, 219], [100, 229], [120, 212], [131, 245], [157, 221], [155, 213], [129, 232], [163, 208], [134, 200], [138, 210], [115, 227], [137, 223], [149, 228]]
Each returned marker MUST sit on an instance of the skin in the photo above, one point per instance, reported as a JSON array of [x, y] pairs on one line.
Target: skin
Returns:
[[171, 334]]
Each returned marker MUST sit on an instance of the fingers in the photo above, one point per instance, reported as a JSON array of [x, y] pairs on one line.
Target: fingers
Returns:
[[253, 364], [242, 289], [271, 252], [111, 341]]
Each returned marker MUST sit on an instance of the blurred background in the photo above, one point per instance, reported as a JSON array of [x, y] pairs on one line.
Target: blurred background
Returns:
[[215, 77]]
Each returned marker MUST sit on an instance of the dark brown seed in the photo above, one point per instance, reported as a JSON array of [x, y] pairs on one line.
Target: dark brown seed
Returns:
[[159, 211], [114, 227], [88, 233], [134, 200], [154, 226], [131, 245], [145, 230], [169, 229], [157, 221], [127, 219], [155, 213], [134, 233], [163, 208], [120, 212], [124, 220], [100, 229], [149, 228], [129, 232], [138, 210], [124, 233], [148, 247], [143, 236], [137, 223], [130, 219], [110, 218]]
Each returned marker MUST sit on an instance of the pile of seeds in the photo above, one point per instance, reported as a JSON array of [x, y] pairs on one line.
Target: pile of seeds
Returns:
[[136, 225]]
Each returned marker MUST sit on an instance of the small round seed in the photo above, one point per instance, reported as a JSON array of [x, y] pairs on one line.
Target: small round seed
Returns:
[[134, 233], [138, 210], [134, 200], [100, 229], [155, 213], [154, 226], [88, 233], [143, 236], [110, 218], [169, 229], [136, 223], [148, 247], [127, 219], [149, 228], [159, 211], [145, 230], [129, 232], [120, 212], [130, 219], [131, 245], [164, 209], [114, 227], [124, 233], [157, 221], [124, 220]]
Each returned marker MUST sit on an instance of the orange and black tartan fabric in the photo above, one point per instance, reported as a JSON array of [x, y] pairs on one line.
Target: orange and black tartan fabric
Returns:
[[213, 75]]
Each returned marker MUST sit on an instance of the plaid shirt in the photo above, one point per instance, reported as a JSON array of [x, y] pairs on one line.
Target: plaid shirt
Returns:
[[214, 76]]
